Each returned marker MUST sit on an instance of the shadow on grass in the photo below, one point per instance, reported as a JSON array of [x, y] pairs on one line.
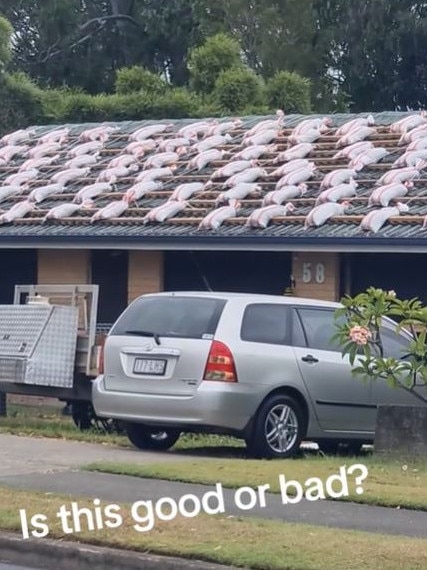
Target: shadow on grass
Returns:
[[240, 452]]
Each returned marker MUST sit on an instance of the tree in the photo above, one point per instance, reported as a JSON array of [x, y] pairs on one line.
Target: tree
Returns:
[[237, 88], [206, 62], [290, 92], [5, 38], [274, 36], [359, 325], [53, 38], [378, 52]]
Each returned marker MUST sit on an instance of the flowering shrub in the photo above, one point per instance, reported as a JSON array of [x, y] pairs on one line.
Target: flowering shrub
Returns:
[[360, 335], [361, 323]]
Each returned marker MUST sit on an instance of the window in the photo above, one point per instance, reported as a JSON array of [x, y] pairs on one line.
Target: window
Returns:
[[175, 316], [266, 323], [395, 345], [298, 336], [319, 326]]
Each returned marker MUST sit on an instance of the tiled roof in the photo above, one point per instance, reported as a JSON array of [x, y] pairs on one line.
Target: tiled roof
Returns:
[[183, 226]]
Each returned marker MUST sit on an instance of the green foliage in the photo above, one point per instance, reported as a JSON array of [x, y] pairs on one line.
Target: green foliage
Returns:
[[177, 103], [237, 88], [360, 325], [6, 31], [135, 79], [21, 103], [174, 104], [290, 92], [206, 62], [82, 43], [55, 103]]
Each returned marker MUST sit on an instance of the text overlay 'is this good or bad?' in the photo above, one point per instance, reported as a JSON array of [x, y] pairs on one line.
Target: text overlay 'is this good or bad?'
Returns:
[[74, 518]]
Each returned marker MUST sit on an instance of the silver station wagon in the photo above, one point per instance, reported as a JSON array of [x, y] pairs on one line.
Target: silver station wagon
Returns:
[[259, 367]]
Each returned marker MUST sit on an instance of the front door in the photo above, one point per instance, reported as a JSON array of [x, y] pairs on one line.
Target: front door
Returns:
[[342, 401], [110, 272]]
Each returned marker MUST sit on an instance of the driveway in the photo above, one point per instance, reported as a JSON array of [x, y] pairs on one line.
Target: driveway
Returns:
[[25, 455]]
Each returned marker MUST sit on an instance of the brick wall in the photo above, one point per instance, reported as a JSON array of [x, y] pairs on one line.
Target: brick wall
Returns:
[[316, 275], [145, 273], [61, 267]]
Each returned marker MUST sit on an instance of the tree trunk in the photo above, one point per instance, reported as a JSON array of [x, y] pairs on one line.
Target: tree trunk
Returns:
[[401, 430]]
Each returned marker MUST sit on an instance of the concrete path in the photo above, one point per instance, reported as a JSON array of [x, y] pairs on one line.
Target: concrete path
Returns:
[[21, 455], [9, 567]]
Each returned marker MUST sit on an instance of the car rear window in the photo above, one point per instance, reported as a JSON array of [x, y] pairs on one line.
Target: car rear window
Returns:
[[266, 323], [183, 317]]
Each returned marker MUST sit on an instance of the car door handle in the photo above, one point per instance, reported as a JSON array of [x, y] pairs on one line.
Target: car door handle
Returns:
[[309, 358]]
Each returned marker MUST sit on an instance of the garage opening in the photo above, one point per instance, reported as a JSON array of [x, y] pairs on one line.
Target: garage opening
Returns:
[[232, 271], [404, 273], [19, 268], [110, 272]]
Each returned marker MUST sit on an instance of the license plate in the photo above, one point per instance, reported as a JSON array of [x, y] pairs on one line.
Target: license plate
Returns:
[[149, 366]]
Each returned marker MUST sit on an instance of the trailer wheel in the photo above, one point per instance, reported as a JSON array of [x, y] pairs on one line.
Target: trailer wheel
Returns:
[[83, 415], [85, 419]]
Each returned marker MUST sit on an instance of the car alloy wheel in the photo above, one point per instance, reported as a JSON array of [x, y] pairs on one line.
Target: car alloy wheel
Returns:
[[278, 429], [281, 428]]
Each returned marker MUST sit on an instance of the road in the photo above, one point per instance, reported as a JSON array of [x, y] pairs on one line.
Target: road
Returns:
[[10, 567]]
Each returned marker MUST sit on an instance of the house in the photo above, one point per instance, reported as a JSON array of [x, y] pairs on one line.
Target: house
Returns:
[[128, 256]]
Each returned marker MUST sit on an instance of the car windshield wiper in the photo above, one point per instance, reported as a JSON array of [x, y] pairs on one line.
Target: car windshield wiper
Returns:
[[145, 333]]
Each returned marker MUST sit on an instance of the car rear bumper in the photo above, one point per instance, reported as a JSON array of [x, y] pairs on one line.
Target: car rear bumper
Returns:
[[213, 404]]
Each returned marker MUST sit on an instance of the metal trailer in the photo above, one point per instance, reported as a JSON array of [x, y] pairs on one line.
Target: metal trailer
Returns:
[[50, 346]]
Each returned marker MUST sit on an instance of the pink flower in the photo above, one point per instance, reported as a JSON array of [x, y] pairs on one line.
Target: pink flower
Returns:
[[360, 335]]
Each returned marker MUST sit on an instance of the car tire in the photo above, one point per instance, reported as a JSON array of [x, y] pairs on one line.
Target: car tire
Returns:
[[145, 438], [291, 421]]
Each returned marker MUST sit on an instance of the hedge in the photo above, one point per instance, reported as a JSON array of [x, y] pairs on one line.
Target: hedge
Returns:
[[21, 103], [237, 91], [135, 79]]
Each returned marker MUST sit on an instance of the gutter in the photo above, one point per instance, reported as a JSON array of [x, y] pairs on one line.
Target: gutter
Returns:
[[219, 243], [53, 554]]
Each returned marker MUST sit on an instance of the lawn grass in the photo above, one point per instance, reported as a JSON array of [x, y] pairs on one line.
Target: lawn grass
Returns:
[[250, 543], [48, 422], [39, 421], [390, 483]]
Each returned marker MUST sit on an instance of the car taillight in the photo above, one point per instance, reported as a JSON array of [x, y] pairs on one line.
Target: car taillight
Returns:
[[220, 365]]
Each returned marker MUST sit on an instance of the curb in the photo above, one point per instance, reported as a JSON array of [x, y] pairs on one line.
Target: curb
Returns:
[[50, 555]]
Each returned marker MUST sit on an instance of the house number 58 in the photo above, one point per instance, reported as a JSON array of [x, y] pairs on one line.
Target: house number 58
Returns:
[[316, 273]]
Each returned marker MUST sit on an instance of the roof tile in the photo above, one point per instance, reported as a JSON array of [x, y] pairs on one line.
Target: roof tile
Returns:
[[185, 224]]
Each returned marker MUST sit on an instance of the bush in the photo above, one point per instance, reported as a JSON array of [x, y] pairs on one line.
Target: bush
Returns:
[[360, 332], [206, 62], [6, 31], [135, 79], [55, 101], [177, 103], [21, 103], [174, 104], [237, 88], [290, 92]]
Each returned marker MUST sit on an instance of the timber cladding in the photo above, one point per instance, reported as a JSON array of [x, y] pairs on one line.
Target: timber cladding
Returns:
[[57, 266], [316, 275], [146, 273]]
